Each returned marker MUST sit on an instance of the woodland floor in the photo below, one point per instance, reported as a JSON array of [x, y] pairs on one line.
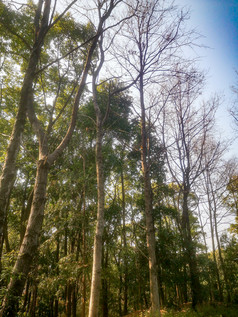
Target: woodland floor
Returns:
[[216, 310], [204, 311]]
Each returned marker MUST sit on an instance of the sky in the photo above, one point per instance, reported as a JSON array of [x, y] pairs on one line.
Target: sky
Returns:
[[217, 22]]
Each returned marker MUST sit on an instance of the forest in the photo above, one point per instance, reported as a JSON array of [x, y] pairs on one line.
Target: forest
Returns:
[[117, 196]]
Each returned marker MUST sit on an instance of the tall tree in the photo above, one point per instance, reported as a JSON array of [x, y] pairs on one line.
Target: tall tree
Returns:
[[41, 26], [153, 37], [216, 180], [97, 251], [46, 159], [186, 133]]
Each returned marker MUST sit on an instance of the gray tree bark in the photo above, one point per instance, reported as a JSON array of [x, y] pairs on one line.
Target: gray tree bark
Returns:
[[100, 120], [212, 236], [227, 284], [190, 251], [150, 231], [124, 238], [97, 251]]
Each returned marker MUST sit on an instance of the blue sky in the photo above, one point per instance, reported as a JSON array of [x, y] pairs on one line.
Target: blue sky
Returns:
[[217, 21]]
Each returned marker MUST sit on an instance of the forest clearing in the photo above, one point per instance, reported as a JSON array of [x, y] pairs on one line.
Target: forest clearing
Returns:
[[118, 196]]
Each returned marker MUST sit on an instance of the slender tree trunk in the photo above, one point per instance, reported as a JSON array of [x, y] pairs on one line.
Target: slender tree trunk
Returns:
[[206, 250], [190, 252], [29, 244], [26, 295], [179, 224], [125, 309], [74, 300], [120, 290], [213, 221], [56, 301], [161, 291], [150, 232], [214, 256], [228, 288], [33, 301], [56, 308], [84, 293], [4, 239], [104, 285], [69, 299], [97, 252], [209, 190]]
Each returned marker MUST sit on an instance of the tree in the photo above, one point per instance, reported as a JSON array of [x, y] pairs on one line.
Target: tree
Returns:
[[41, 25], [216, 182], [153, 38], [46, 159], [186, 132], [102, 117], [213, 202]]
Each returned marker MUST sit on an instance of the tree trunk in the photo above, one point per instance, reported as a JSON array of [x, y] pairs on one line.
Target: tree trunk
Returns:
[[104, 285], [206, 250], [26, 295], [74, 300], [150, 232], [33, 301], [125, 309], [84, 292], [69, 299], [214, 257], [56, 306], [185, 286], [228, 288], [25, 215], [210, 208], [97, 252], [213, 216], [29, 244], [190, 252], [120, 290], [4, 239], [161, 291]]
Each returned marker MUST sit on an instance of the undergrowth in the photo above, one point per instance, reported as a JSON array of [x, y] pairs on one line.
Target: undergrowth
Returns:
[[215, 310]]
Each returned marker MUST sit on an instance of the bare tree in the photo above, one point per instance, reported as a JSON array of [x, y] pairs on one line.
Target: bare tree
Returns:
[[186, 130], [216, 178], [153, 41]]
